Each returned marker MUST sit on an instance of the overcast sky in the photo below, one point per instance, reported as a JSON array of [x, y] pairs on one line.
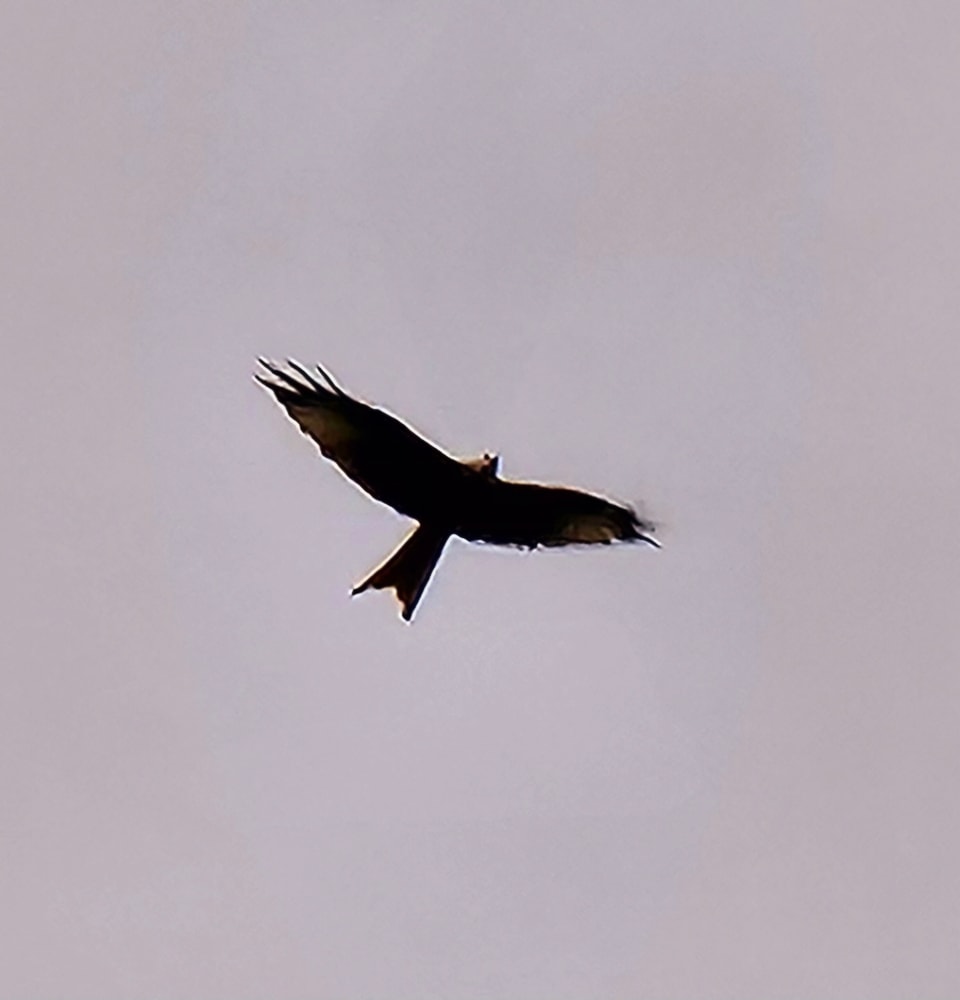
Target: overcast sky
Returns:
[[701, 257]]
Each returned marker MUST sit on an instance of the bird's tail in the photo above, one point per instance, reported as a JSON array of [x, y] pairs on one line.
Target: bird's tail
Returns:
[[409, 568]]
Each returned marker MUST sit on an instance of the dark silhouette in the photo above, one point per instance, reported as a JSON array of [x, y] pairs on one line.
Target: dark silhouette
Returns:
[[446, 496]]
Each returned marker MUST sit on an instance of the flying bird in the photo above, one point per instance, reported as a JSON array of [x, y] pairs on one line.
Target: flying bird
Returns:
[[444, 495]]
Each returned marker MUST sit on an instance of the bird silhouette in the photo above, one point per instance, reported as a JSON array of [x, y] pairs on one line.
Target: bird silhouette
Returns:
[[444, 495]]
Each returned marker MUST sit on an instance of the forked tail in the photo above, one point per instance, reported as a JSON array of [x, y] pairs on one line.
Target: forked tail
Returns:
[[408, 569]]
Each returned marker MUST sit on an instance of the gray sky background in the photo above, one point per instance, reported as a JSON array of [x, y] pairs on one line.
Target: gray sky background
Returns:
[[703, 255]]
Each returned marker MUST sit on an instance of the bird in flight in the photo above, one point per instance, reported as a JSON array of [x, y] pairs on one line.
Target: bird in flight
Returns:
[[444, 495]]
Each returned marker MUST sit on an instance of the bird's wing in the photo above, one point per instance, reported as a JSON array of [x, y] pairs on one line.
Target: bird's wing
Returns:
[[380, 453], [508, 512]]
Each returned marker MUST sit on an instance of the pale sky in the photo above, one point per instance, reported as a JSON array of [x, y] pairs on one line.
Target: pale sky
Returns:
[[701, 257]]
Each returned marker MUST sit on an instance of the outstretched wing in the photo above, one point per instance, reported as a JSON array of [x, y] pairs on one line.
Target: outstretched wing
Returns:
[[380, 453], [505, 512]]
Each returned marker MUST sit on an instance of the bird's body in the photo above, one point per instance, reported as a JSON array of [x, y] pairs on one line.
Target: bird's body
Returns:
[[447, 496]]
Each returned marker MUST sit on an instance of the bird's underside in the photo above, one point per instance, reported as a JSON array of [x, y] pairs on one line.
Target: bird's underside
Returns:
[[445, 495]]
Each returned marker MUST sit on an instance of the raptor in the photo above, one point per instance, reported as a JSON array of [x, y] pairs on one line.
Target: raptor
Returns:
[[444, 495]]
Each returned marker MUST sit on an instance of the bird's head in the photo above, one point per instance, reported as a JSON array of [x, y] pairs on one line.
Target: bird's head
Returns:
[[487, 465], [491, 465]]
